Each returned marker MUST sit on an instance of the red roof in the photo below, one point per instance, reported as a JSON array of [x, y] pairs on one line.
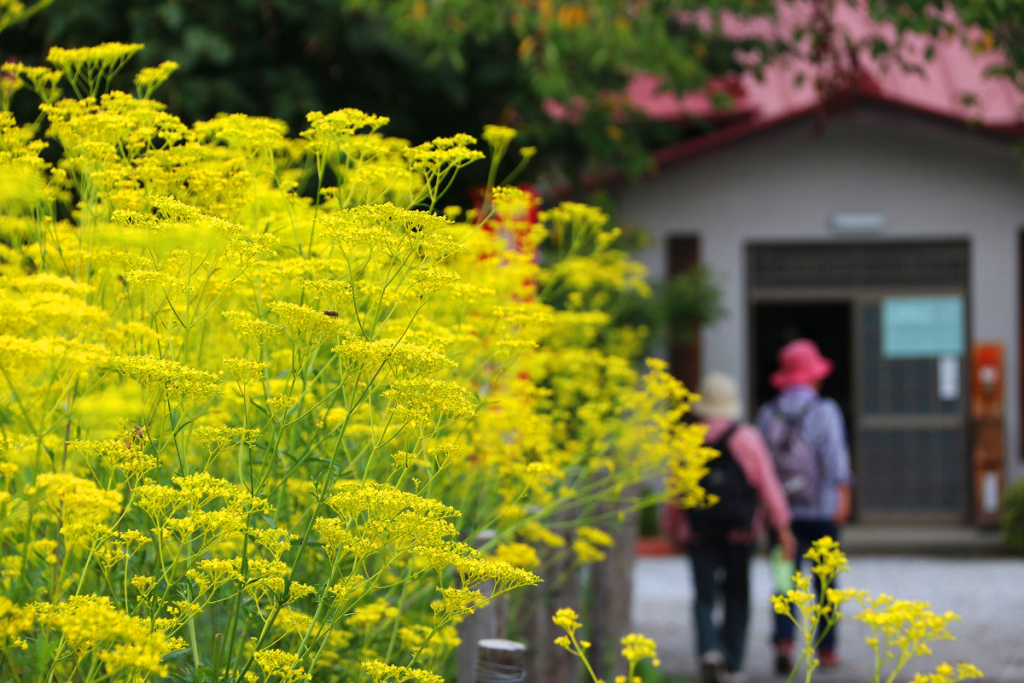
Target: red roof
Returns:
[[953, 85]]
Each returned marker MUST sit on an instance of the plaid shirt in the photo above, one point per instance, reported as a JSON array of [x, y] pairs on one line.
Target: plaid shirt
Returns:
[[825, 430]]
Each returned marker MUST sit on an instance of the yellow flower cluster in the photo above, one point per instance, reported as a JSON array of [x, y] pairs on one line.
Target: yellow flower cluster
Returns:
[[568, 620], [901, 629], [151, 78], [128, 646], [175, 378], [80, 505], [389, 673], [588, 543], [281, 665], [258, 391], [947, 673], [636, 647], [518, 555], [14, 621], [90, 68]]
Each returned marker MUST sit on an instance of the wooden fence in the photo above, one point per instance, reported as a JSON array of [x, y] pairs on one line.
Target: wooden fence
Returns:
[[503, 645]]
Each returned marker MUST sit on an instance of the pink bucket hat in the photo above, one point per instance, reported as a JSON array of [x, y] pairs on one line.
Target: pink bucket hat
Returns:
[[800, 362]]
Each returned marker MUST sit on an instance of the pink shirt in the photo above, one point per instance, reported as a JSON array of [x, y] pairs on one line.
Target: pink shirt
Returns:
[[751, 454]]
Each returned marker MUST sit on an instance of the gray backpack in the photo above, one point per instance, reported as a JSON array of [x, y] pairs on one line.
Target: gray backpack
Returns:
[[796, 460]]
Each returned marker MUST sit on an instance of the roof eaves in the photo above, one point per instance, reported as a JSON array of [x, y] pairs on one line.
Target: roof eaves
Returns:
[[749, 128]]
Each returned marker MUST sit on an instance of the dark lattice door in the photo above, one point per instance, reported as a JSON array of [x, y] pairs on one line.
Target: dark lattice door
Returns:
[[909, 411], [912, 438]]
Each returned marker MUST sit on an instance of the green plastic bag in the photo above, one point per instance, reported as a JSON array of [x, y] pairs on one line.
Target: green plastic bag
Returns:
[[782, 569]]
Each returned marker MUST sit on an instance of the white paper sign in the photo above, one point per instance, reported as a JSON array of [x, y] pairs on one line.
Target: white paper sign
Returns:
[[990, 493], [949, 378]]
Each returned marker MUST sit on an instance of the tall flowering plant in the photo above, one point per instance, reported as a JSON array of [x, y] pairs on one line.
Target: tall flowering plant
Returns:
[[901, 630], [260, 394]]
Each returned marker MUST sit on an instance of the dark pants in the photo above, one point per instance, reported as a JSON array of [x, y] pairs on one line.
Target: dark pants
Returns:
[[721, 566], [806, 533]]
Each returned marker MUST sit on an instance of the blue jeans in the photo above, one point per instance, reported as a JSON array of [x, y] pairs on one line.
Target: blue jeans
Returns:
[[721, 567], [807, 532]]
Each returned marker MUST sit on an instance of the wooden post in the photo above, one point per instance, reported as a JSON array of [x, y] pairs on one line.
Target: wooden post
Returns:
[[481, 625], [565, 591], [562, 587], [611, 592], [500, 661]]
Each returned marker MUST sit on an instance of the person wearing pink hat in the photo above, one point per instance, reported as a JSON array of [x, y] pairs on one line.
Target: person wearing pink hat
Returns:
[[806, 435]]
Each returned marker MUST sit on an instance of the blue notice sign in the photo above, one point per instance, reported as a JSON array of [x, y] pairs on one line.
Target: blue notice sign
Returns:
[[923, 326]]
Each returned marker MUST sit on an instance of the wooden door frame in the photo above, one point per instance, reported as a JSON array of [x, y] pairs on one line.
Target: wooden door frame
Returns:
[[684, 254], [1020, 346]]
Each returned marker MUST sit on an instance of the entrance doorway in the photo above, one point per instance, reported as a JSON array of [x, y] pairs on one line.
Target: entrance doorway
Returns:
[[871, 307], [829, 324]]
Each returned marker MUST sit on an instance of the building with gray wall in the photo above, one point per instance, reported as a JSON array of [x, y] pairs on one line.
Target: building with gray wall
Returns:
[[850, 232]]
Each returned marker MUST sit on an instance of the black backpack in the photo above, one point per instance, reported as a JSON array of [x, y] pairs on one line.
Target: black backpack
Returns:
[[737, 499]]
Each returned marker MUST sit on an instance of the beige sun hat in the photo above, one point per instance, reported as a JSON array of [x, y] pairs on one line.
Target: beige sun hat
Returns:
[[719, 398]]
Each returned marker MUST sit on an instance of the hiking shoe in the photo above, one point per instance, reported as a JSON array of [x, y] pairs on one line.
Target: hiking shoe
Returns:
[[783, 659], [712, 667], [828, 659]]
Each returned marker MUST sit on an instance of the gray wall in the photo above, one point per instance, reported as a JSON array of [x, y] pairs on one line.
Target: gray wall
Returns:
[[929, 181]]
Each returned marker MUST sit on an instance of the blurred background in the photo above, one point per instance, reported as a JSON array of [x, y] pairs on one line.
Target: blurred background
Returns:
[[844, 171]]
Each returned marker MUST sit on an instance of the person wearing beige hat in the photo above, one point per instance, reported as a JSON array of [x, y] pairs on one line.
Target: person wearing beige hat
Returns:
[[720, 538]]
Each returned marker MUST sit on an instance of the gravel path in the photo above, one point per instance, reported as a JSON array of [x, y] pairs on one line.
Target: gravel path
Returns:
[[987, 593]]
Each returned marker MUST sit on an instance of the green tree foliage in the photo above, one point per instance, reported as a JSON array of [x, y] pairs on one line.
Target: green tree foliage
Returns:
[[982, 24], [474, 62], [1012, 520]]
